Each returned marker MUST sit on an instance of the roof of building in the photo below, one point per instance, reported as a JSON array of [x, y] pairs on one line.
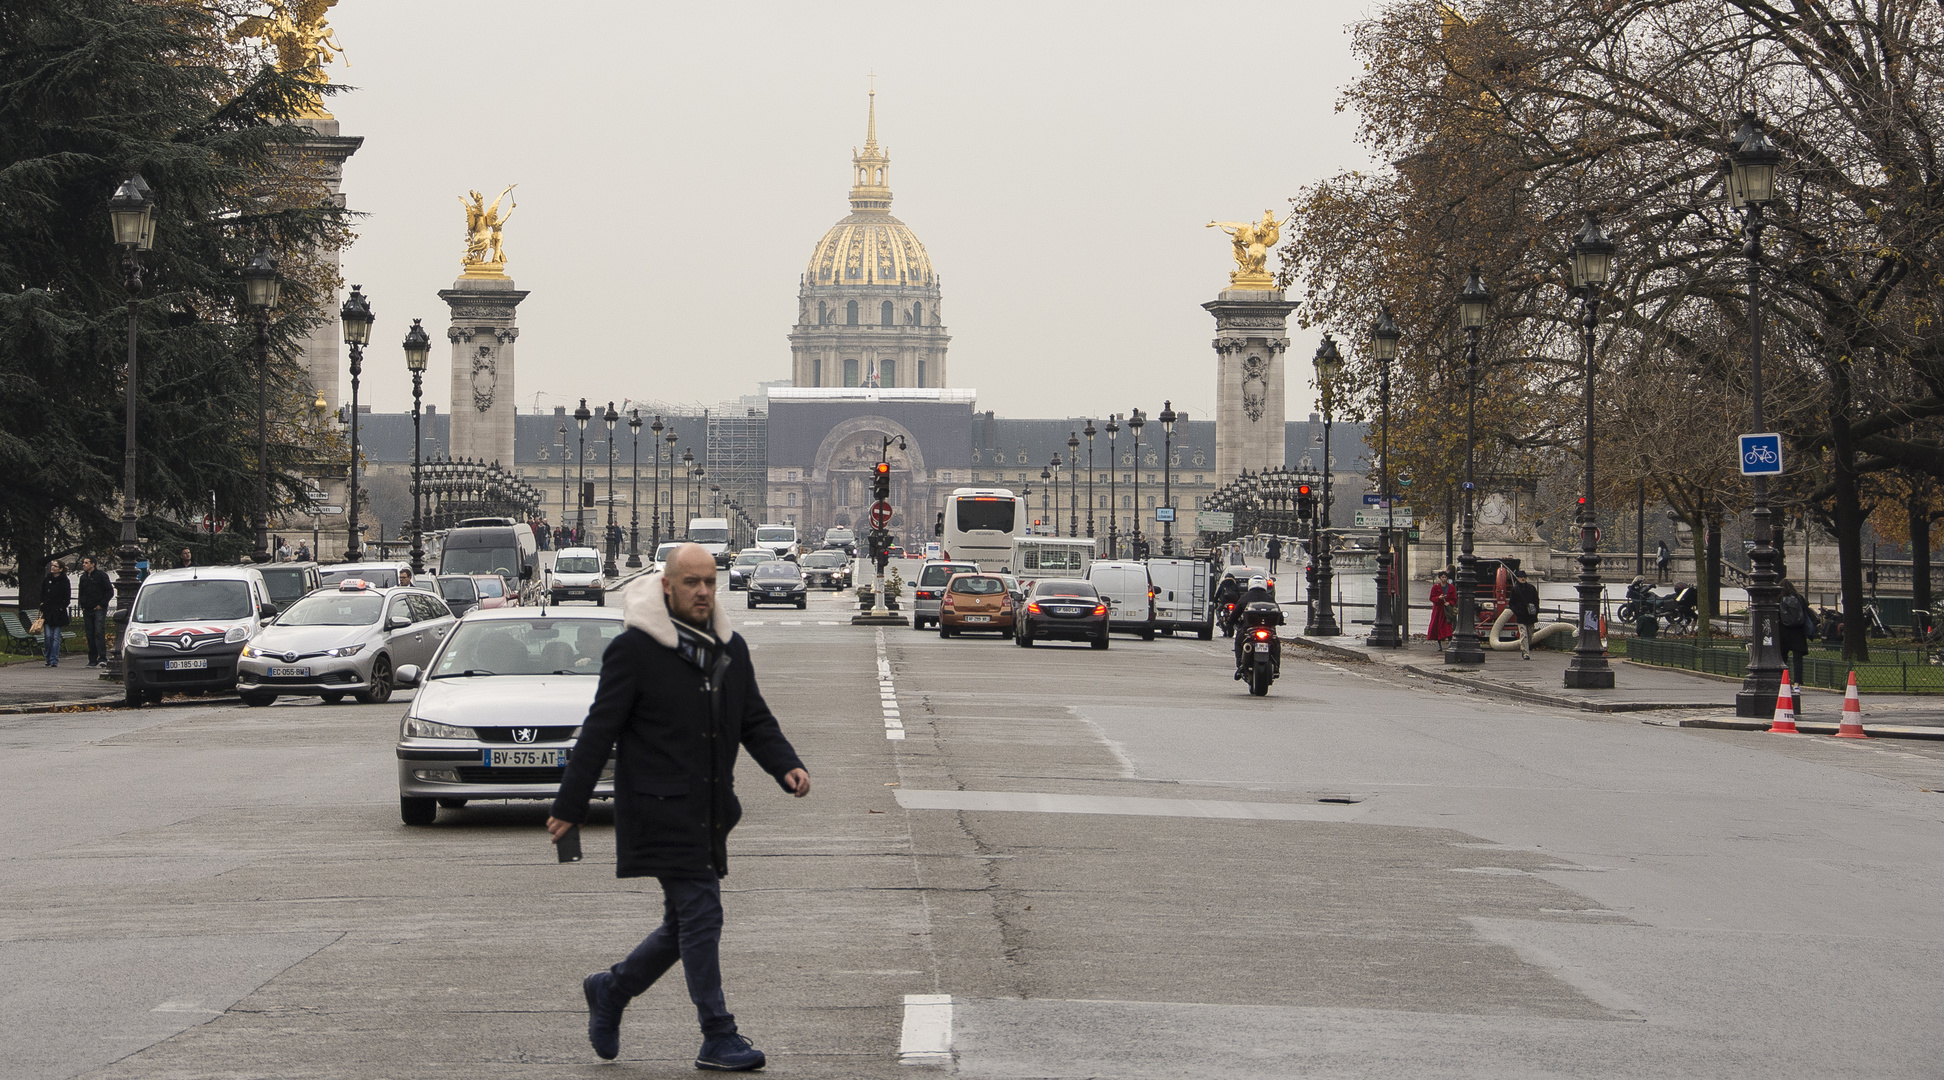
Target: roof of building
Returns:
[[870, 247]]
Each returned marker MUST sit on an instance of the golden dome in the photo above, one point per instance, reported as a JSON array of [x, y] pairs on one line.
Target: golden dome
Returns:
[[870, 247]]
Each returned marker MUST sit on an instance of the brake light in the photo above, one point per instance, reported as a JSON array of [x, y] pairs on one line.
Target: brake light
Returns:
[[1100, 609], [923, 595], [1262, 633], [1033, 607], [948, 600]]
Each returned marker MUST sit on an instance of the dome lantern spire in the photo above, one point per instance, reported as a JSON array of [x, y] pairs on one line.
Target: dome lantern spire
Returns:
[[872, 187]]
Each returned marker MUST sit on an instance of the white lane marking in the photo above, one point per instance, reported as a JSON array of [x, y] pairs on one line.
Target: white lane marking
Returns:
[[823, 622], [1046, 803], [185, 1007], [927, 1036], [888, 694], [790, 622], [754, 622]]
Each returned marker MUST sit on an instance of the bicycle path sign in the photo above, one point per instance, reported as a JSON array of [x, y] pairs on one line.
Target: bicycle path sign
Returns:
[[1761, 455]]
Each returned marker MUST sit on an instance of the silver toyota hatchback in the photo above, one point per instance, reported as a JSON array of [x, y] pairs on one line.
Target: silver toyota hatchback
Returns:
[[499, 708], [346, 639]]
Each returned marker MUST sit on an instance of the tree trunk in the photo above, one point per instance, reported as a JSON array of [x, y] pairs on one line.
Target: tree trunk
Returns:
[[1697, 529], [1711, 593], [1918, 507], [1849, 517]]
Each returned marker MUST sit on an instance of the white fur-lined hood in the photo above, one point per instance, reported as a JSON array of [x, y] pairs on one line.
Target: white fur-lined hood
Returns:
[[645, 608]]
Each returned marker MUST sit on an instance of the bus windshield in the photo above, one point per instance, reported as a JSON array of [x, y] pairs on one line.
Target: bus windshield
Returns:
[[979, 514]]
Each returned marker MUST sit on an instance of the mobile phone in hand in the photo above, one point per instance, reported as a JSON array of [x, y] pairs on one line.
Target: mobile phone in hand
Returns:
[[568, 846]]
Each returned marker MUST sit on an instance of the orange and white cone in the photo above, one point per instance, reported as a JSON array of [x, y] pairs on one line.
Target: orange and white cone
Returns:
[[1852, 725], [1784, 708]]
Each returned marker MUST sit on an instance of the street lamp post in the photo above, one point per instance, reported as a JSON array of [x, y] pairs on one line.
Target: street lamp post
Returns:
[[131, 216], [1323, 621], [1167, 419], [1073, 483], [1592, 266], [654, 515], [356, 317], [581, 417], [634, 490], [418, 350], [1046, 477], [612, 536], [1113, 491], [688, 478], [560, 439], [1090, 433], [1474, 304], [1383, 345], [261, 285], [670, 440], [1753, 161], [1136, 419]]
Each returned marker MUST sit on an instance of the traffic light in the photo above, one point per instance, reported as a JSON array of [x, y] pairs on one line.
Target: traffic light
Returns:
[[881, 481], [1305, 503], [587, 493]]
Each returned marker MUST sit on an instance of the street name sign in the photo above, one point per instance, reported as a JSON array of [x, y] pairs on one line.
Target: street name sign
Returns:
[[1215, 521], [1164, 513], [1761, 455]]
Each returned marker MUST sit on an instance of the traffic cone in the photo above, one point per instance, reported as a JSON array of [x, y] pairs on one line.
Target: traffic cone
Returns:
[[1852, 725], [1784, 708]]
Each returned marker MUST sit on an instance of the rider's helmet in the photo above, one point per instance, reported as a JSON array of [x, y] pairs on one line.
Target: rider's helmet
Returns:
[[1259, 581]]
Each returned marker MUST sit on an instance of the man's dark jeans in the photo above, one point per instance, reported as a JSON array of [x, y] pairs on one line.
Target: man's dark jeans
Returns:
[[95, 622], [691, 932]]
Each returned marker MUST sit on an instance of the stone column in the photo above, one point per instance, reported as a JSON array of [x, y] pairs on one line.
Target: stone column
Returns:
[[482, 335], [321, 354], [1250, 325]]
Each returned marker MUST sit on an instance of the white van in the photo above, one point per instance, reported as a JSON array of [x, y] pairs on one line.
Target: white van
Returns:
[[713, 535], [1184, 596], [778, 540], [1036, 557], [577, 576], [188, 629], [1127, 585]]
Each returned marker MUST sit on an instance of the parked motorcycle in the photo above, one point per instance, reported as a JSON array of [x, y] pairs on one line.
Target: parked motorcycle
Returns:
[[1679, 609]]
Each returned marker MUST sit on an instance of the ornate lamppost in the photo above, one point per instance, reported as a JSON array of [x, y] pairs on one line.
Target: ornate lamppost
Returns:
[[131, 217], [1073, 483], [418, 350], [612, 544], [634, 490], [261, 284], [670, 439], [1046, 478], [1753, 161], [560, 440], [356, 317], [688, 478], [1113, 492], [1136, 419], [581, 417], [1592, 266], [1323, 621], [1474, 305], [1090, 433], [1383, 345], [654, 451], [1167, 419]]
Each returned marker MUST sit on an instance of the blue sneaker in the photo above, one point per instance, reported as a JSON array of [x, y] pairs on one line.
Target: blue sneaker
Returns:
[[603, 1014], [729, 1053]]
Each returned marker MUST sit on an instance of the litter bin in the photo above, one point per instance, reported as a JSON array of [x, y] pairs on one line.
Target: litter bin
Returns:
[[1649, 626]]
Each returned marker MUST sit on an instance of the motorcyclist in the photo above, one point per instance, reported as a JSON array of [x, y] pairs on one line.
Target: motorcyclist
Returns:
[[1226, 593], [1258, 592]]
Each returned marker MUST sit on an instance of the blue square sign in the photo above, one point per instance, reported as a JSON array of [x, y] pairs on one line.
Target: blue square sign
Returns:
[[1761, 455]]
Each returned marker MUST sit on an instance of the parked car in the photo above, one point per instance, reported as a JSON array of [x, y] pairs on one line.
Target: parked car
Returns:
[[826, 569], [460, 593], [188, 628], [977, 602], [288, 582], [493, 591], [347, 640], [745, 565], [497, 710], [380, 575], [1063, 609], [928, 591], [1130, 595], [778, 581], [577, 576]]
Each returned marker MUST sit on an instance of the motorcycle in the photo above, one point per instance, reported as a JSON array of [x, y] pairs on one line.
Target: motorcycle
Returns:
[[1679, 608], [1261, 658], [1226, 619]]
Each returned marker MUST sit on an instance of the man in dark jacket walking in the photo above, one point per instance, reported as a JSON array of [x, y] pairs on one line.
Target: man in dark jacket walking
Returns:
[[1524, 599], [96, 593], [678, 697], [56, 593]]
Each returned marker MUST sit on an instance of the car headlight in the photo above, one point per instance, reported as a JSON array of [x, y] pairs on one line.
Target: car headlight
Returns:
[[236, 634], [427, 729], [353, 650], [138, 638]]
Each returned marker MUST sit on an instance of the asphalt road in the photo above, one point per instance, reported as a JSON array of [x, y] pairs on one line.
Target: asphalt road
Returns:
[[1071, 864]]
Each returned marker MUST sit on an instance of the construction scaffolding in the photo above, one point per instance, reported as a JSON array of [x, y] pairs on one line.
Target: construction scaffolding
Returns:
[[739, 465]]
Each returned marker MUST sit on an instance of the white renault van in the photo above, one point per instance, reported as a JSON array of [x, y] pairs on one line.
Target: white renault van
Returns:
[[189, 627], [577, 576]]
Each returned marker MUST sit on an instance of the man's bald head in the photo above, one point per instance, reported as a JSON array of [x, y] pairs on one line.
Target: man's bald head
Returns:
[[689, 582]]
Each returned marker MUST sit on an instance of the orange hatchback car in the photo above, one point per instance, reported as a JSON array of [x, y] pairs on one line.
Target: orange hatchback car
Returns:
[[975, 602]]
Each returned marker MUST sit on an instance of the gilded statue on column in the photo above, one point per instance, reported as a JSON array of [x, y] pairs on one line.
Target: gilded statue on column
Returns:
[[1252, 241], [303, 38], [485, 253]]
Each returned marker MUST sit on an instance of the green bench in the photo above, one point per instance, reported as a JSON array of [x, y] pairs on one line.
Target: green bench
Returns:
[[21, 639]]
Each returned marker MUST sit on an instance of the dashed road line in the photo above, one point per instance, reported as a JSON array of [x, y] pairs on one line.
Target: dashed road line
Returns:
[[927, 1035], [888, 694]]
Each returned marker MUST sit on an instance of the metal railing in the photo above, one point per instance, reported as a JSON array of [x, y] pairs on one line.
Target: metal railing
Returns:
[[1888, 671]]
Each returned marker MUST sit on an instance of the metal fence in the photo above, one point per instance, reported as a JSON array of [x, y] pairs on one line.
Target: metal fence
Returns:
[[1889, 670]]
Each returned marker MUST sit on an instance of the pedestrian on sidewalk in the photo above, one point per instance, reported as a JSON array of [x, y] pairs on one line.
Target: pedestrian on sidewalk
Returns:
[[1273, 552], [303, 551], [57, 592], [1798, 623], [188, 558], [678, 694], [1662, 560], [95, 593], [1444, 610], [1524, 599]]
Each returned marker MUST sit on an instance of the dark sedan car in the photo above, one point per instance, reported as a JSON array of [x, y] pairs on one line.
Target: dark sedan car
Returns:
[[1063, 610], [826, 569], [779, 582]]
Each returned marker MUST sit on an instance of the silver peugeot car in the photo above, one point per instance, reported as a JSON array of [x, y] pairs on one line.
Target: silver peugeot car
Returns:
[[346, 639], [499, 708]]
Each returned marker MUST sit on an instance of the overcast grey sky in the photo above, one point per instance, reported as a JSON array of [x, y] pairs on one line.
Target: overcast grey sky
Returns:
[[678, 162]]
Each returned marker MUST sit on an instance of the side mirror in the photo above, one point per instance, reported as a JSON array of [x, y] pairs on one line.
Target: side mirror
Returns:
[[397, 622], [269, 610], [406, 675]]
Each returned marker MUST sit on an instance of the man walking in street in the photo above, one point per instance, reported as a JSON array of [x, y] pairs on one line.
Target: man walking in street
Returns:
[[677, 696], [56, 594], [1524, 599], [96, 592], [1273, 552], [1661, 560]]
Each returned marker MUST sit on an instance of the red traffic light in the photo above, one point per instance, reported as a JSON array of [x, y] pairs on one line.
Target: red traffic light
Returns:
[[1303, 490], [883, 468]]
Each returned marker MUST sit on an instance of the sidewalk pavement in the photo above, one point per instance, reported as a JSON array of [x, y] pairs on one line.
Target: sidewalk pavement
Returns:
[[1637, 688], [32, 686]]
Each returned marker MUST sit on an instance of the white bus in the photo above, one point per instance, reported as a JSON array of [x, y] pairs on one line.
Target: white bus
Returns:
[[980, 526]]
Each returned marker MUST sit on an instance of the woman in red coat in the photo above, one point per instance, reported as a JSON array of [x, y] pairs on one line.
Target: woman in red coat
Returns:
[[1444, 603]]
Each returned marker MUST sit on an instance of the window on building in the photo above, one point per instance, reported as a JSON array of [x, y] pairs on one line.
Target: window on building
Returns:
[[816, 371], [885, 317], [1127, 502], [1198, 502], [1127, 478], [887, 371], [1198, 478], [1150, 500], [793, 496], [793, 475], [823, 312], [945, 477], [850, 364], [1151, 477], [921, 374], [917, 314], [850, 313]]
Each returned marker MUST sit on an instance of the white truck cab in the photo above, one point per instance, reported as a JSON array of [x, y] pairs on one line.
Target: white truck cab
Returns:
[[713, 535], [779, 540]]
